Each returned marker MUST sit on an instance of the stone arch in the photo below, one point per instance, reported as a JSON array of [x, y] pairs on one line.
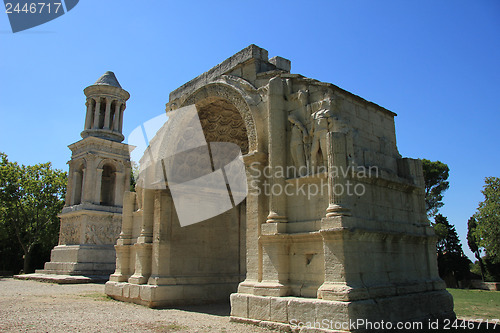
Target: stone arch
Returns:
[[244, 99], [101, 112], [108, 169], [222, 90], [117, 165]]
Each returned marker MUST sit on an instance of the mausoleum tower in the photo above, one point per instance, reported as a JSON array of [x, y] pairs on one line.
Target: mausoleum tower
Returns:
[[99, 174], [106, 101]]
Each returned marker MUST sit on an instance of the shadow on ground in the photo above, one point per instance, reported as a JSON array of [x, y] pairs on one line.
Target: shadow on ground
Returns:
[[218, 309]]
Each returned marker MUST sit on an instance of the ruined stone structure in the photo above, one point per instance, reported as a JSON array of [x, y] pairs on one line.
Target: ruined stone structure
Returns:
[[341, 235], [99, 174]]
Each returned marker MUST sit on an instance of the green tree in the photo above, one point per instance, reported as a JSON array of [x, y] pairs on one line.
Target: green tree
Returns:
[[487, 231], [134, 175], [435, 176], [31, 197], [472, 242], [451, 259]]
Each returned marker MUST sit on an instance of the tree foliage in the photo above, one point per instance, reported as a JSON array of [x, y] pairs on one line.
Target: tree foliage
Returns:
[[435, 175], [472, 242], [451, 259], [30, 197], [134, 175], [487, 231]]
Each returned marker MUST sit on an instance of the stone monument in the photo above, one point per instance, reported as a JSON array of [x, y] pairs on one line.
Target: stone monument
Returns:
[[99, 174], [333, 228]]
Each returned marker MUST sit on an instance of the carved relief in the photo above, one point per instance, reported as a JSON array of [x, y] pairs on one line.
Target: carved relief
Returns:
[[299, 145], [70, 231], [211, 92], [221, 122], [321, 124], [101, 230], [320, 118]]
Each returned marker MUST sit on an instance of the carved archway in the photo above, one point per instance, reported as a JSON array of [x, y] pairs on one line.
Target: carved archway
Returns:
[[235, 96], [108, 181]]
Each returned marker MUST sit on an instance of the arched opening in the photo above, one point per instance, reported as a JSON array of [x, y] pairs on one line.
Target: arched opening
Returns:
[[212, 254], [112, 116], [101, 112], [203, 261], [91, 105], [108, 185], [78, 185], [222, 122]]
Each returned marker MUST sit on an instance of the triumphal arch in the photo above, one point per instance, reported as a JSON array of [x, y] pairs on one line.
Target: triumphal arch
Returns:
[[331, 226]]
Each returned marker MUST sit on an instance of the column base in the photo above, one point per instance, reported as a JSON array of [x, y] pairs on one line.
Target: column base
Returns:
[[337, 210], [160, 296], [313, 315], [83, 259]]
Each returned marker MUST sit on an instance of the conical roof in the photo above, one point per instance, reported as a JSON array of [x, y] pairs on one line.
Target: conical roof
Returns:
[[108, 79]]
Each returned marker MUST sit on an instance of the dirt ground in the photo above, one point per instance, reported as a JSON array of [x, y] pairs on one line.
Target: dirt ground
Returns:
[[29, 306]]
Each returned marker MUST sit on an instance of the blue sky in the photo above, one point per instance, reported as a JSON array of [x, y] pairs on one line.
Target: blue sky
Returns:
[[435, 63]]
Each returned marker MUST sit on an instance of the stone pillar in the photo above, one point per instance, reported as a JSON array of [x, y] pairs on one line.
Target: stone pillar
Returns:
[[123, 245], [116, 118], [69, 189], [90, 111], [119, 189], [337, 166], [98, 183], [162, 230], [126, 180], [107, 114], [342, 281], [86, 193], [144, 244], [73, 188], [97, 113], [255, 215], [122, 108], [275, 266], [277, 151], [146, 235]]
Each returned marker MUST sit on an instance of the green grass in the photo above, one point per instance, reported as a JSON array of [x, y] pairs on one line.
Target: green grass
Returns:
[[472, 303]]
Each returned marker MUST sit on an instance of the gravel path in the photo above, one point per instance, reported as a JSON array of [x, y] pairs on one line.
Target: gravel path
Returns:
[[29, 306]]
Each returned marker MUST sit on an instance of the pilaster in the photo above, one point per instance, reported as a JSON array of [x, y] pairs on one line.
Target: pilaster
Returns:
[[277, 152]]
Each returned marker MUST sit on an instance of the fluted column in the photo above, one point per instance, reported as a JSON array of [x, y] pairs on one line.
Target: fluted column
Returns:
[[97, 190], [277, 150], [69, 190], [107, 114], [116, 118], [73, 187], [146, 235], [121, 118], [337, 166], [88, 118], [97, 113], [86, 193]]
